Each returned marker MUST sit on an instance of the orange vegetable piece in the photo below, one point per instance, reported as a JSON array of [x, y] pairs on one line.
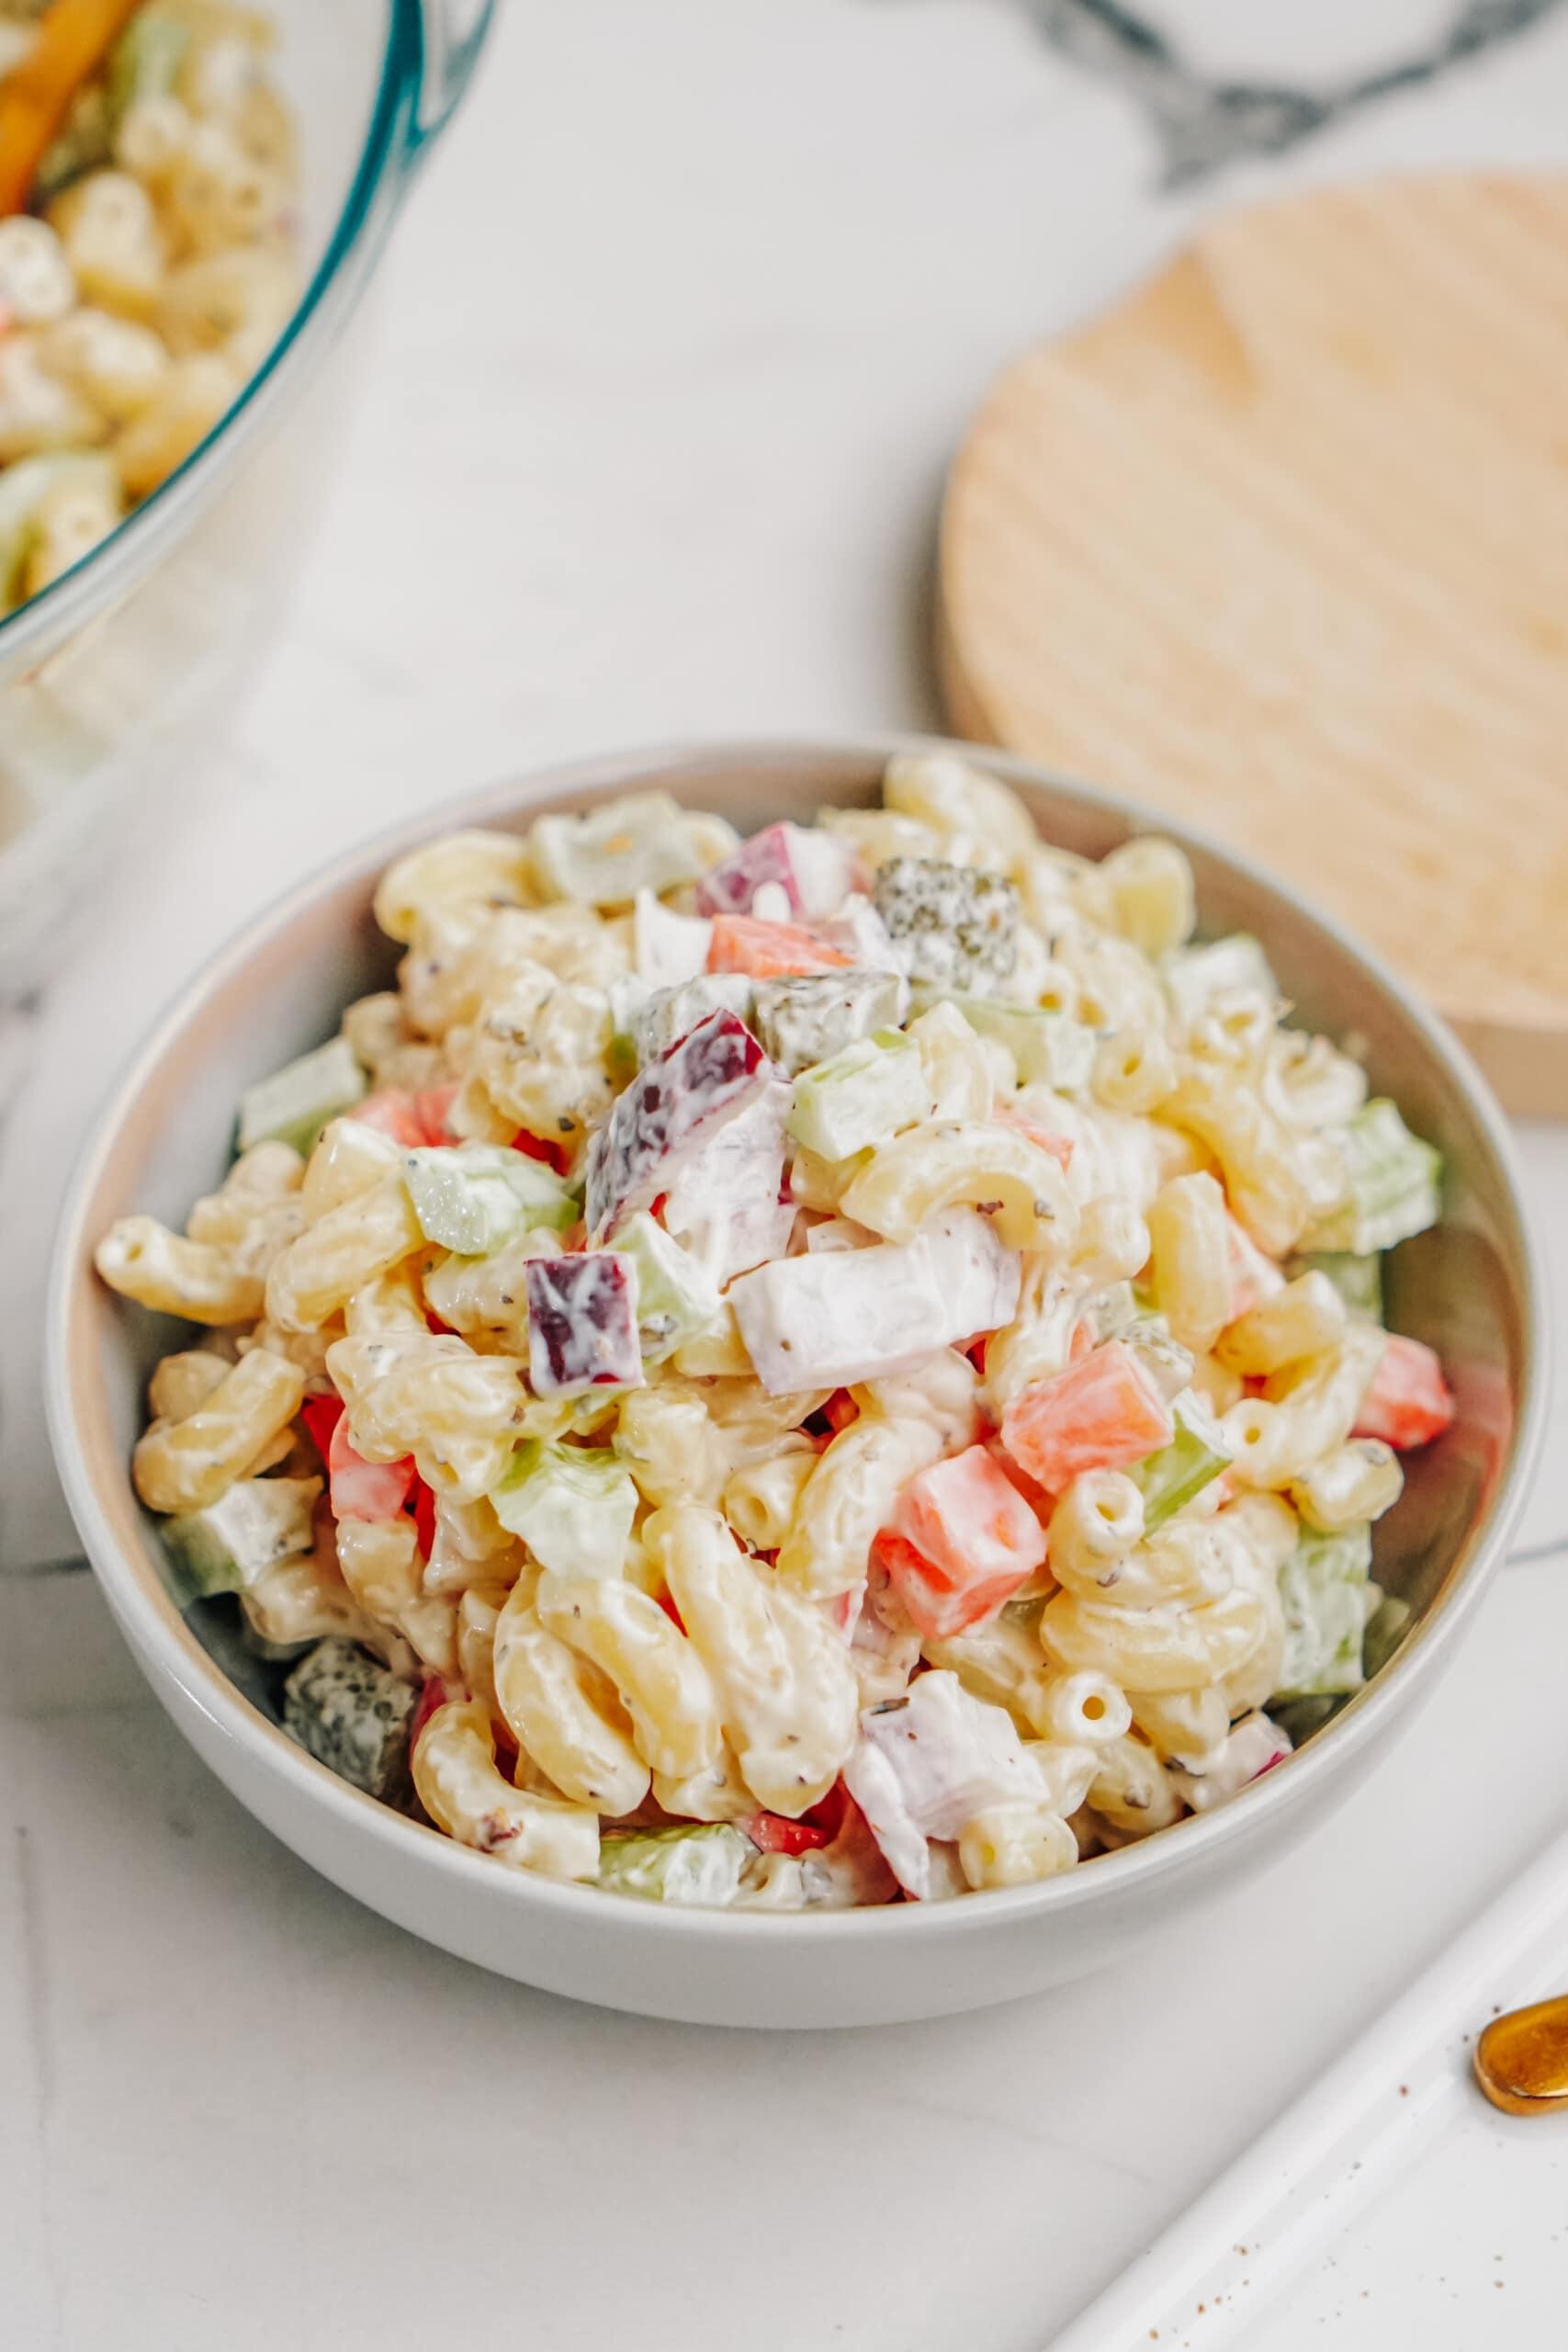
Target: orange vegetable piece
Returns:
[[1409, 1402], [771, 951], [962, 1541], [1100, 1414], [73, 37]]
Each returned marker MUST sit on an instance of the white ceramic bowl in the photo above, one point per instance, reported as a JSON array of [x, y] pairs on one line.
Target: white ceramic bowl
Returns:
[[1469, 1287]]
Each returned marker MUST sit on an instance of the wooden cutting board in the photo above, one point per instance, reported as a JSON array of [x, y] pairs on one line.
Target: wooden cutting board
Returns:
[[1281, 544]]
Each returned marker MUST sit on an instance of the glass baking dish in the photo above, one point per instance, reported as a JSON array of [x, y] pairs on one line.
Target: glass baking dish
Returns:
[[112, 679]]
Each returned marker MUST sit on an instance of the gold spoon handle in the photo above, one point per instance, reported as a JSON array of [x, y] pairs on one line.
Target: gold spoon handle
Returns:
[[1522, 2060]]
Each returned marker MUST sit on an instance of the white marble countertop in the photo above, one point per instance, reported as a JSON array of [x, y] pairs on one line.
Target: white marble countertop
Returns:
[[673, 347]]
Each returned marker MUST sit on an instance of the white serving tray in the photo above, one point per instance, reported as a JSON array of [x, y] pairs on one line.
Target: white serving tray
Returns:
[[1391, 2196]]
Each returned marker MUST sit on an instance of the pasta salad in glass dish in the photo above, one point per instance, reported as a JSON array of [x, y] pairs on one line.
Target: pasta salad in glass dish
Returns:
[[148, 185], [823, 1369]]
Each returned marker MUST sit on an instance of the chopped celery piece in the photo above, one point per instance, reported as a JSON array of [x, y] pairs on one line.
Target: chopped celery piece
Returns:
[[675, 1296], [1323, 1587], [808, 1019], [604, 858], [1395, 1182], [1168, 1480], [1386, 1628], [1357, 1277], [252, 1526], [476, 1197], [700, 1862], [671, 1014], [1194, 976], [861, 1096], [294, 1104], [145, 60], [572, 1505], [1049, 1048], [352, 1715]]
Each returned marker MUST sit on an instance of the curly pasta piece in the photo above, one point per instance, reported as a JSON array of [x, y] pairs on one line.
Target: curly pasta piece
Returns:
[[457, 1783], [348, 1247], [1015, 1844], [458, 1413], [663, 1683], [1153, 1650], [786, 1688], [185, 1465], [965, 1164], [850, 1495], [564, 1713], [201, 1281]]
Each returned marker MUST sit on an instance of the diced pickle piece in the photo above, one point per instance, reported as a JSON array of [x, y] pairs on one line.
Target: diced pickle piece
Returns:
[[806, 1021], [475, 1198], [604, 858], [675, 1295], [1386, 1628], [1395, 1184], [256, 1523], [828, 1320], [809, 871], [572, 1505], [1170, 1478], [698, 1864], [352, 1715], [1049, 1048], [860, 1096], [1324, 1588], [582, 1328], [295, 1102], [669, 1014], [960, 924], [680, 1098]]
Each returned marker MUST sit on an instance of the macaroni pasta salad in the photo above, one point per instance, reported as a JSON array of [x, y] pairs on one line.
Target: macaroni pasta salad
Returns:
[[815, 1370]]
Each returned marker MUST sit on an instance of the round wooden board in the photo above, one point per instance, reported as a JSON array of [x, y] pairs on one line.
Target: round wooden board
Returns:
[[1282, 543]]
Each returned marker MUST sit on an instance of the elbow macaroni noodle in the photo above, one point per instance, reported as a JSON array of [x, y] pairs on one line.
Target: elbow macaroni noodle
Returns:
[[659, 1593]]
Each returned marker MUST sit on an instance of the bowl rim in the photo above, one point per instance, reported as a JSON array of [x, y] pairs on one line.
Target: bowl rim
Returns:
[[160, 1635]]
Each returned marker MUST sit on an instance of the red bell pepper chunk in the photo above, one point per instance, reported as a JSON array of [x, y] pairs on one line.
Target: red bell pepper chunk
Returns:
[[321, 1416], [410, 1120], [840, 1410], [962, 1541], [771, 951], [1409, 1402], [425, 1519], [532, 1146], [433, 1693], [774, 1834], [936, 1606], [666, 1602], [395, 1112], [362, 1489], [1101, 1413], [432, 1106]]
